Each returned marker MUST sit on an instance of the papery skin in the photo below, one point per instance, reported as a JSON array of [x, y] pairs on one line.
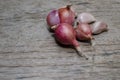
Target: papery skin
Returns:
[[83, 32], [65, 34], [67, 15], [53, 18], [86, 18], [99, 27]]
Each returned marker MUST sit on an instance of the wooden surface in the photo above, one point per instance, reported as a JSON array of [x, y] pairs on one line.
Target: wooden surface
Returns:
[[29, 52]]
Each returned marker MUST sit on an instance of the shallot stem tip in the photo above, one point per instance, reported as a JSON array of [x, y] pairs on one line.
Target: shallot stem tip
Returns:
[[80, 52], [92, 42], [69, 6]]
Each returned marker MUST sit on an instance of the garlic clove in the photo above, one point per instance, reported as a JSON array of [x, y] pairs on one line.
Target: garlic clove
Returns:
[[99, 27], [86, 18]]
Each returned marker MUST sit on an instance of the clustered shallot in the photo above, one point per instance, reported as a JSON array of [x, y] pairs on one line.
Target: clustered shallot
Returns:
[[62, 21]]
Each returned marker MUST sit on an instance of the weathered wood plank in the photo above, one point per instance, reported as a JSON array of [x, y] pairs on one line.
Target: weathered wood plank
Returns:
[[28, 50]]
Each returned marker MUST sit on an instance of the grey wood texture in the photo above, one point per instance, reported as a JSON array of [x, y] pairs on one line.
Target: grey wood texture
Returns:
[[28, 50]]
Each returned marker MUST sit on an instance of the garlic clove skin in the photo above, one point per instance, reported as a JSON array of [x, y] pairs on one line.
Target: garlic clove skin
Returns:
[[99, 27], [86, 18]]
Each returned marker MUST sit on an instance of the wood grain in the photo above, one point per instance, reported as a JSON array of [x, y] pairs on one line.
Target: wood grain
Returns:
[[28, 50]]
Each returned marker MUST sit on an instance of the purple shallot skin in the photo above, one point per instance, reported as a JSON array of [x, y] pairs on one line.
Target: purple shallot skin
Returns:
[[53, 18], [66, 35]]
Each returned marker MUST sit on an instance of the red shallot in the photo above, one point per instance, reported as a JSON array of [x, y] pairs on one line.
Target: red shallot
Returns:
[[53, 18], [83, 32], [65, 34], [62, 15], [67, 15]]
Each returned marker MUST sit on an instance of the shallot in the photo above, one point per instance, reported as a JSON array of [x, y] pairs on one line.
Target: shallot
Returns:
[[65, 34], [67, 15], [83, 32], [62, 15], [53, 18], [99, 27], [86, 18]]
